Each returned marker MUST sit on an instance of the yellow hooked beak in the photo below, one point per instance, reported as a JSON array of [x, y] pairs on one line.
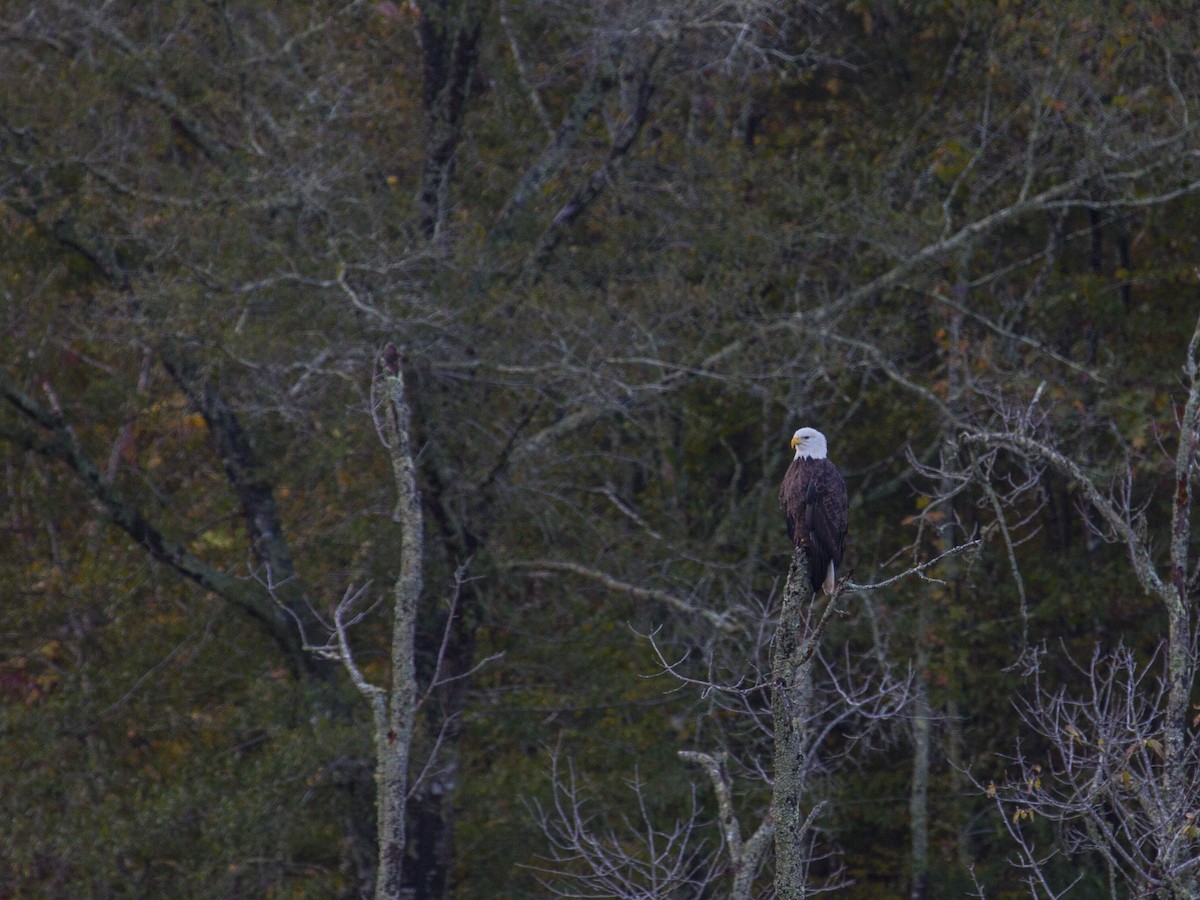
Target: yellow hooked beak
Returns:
[[795, 441]]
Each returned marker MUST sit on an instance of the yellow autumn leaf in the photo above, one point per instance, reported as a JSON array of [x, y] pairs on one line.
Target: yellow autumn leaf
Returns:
[[218, 540]]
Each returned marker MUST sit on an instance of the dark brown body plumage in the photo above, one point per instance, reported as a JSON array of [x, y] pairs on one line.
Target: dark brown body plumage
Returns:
[[813, 497]]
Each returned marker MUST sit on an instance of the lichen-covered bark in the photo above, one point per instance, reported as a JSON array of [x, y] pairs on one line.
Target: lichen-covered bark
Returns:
[[393, 742], [744, 855], [791, 708], [1181, 653]]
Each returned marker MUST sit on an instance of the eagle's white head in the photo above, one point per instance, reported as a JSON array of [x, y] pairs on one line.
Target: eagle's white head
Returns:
[[809, 443]]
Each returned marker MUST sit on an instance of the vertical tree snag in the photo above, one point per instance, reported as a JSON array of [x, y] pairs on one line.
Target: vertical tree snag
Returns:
[[795, 713], [394, 709], [791, 701], [1181, 653], [394, 740]]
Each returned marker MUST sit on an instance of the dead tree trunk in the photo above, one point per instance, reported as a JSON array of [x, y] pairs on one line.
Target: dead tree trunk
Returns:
[[791, 708], [393, 736]]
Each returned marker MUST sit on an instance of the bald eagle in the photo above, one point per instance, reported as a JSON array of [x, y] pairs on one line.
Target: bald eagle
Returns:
[[813, 497]]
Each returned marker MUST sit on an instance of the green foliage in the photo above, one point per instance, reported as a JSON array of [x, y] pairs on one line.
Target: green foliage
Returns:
[[183, 765]]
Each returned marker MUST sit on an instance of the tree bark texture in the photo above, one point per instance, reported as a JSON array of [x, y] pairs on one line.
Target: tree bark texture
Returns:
[[791, 708], [918, 800], [1181, 647], [393, 743]]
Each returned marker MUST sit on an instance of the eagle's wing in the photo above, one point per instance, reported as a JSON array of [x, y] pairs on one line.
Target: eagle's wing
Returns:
[[791, 501], [826, 515]]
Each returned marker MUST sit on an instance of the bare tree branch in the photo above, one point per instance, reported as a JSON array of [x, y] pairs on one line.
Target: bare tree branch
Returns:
[[718, 620], [745, 857]]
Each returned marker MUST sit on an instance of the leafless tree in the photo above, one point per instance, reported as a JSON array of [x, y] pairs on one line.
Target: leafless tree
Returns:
[[589, 857], [1117, 771], [394, 709], [809, 710]]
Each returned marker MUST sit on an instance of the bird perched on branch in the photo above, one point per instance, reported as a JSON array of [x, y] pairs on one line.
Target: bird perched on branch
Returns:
[[813, 498]]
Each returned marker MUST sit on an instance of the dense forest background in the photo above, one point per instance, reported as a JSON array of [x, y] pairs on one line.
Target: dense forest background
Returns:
[[625, 248]]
